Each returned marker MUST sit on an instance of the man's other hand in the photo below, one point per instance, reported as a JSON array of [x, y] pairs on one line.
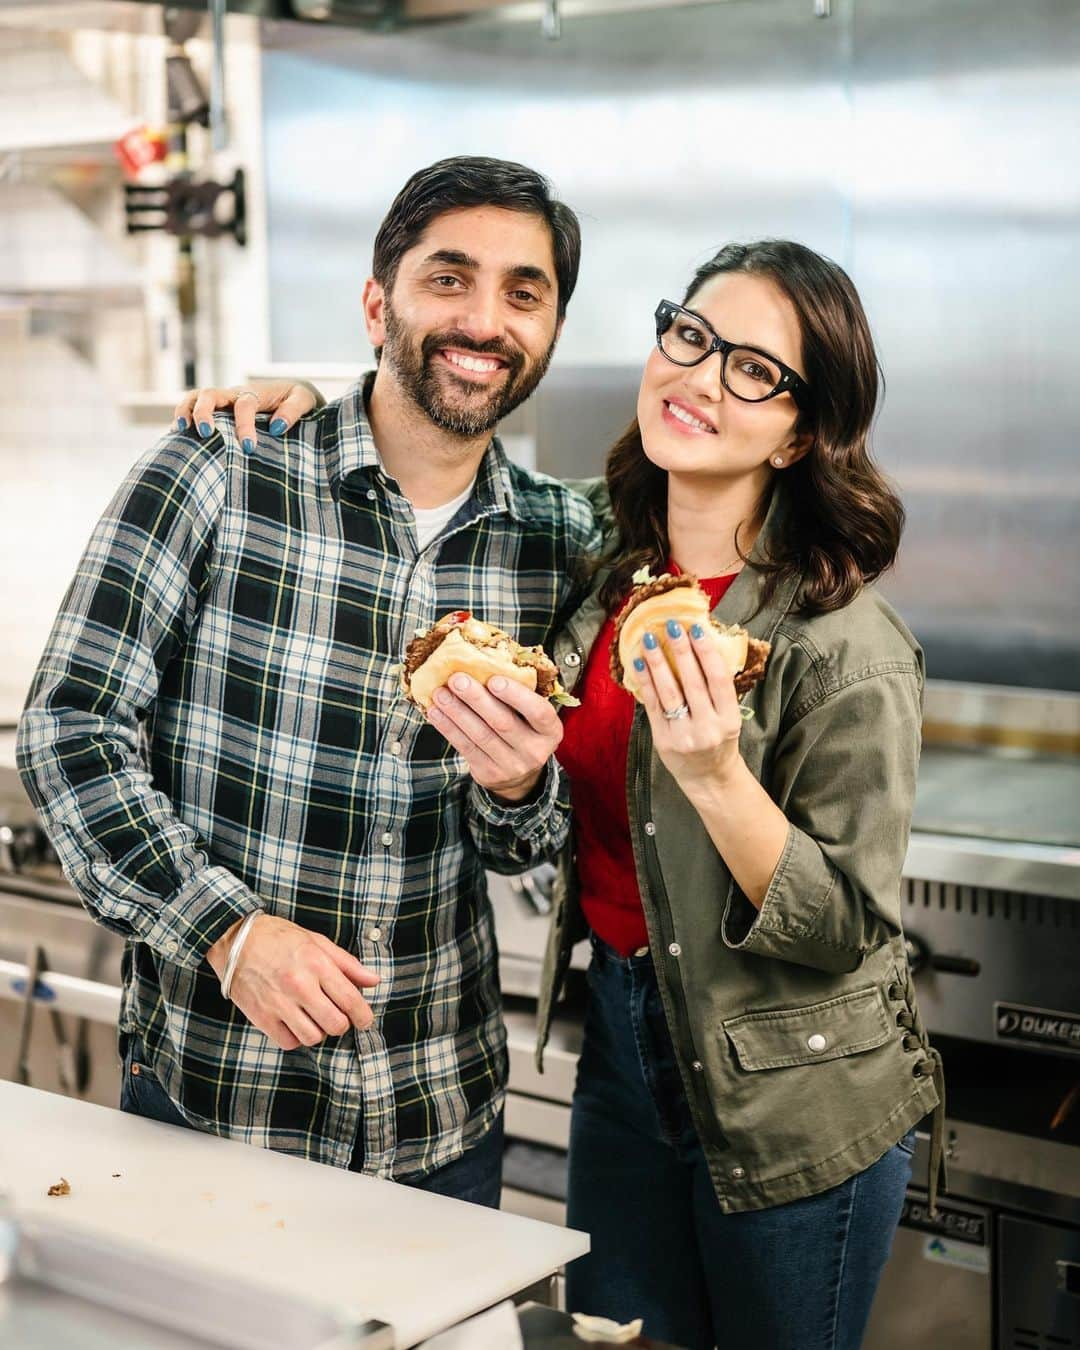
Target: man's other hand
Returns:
[[296, 986]]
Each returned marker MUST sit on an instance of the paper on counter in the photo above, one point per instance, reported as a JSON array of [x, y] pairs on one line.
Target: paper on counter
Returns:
[[604, 1330], [496, 1329]]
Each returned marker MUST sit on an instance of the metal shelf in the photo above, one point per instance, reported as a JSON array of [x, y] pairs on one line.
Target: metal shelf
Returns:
[[69, 298]]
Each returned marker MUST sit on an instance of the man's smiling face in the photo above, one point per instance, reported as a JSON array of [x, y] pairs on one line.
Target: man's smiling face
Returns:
[[471, 321]]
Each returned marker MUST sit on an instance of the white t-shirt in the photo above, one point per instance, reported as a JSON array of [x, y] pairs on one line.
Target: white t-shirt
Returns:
[[431, 520]]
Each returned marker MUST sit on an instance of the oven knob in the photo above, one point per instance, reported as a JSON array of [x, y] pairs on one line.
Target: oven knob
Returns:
[[918, 954], [919, 957]]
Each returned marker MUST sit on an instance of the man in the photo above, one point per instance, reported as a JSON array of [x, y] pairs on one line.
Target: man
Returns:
[[216, 729]]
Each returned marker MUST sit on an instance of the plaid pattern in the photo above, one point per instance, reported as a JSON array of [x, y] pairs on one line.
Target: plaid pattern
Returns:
[[215, 726]]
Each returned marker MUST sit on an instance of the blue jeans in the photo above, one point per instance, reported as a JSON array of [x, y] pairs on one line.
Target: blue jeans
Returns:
[[476, 1176], [797, 1276]]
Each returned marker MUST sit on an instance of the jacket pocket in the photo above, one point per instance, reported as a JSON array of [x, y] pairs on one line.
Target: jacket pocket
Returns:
[[848, 1025]]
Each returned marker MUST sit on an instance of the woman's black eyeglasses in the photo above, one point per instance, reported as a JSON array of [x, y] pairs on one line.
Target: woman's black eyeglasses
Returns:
[[752, 375]]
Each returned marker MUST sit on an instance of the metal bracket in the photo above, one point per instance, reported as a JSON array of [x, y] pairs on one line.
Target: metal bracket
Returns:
[[219, 137], [551, 23], [187, 208]]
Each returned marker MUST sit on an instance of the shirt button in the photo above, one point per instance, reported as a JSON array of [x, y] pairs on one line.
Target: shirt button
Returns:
[[395, 748], [169, 946], [371, 494], [387, 839], [650, 828], [572, 659], [374, 934], [675, 949], [697, 1066], [817, 1043], [738, 1173]]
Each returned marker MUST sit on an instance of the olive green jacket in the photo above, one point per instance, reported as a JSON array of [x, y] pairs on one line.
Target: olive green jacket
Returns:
[[795, 1027]]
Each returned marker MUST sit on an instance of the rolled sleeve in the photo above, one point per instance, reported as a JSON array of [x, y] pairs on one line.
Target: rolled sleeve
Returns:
[[513, 838], [845, 777], [187, 925]]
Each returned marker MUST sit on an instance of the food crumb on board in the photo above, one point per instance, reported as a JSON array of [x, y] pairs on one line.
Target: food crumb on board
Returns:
[[116, 1174], [262, 1204], [208, 1196], [62, 1187], [280, 1223]]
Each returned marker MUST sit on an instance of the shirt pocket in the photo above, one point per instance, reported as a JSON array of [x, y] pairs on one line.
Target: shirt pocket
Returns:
[[783, 1038]]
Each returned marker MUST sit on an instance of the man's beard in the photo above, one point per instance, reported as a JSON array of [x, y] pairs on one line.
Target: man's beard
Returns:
[[478, 410]]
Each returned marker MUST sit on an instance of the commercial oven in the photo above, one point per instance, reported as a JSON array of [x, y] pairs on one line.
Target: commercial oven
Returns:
[[992, 914]]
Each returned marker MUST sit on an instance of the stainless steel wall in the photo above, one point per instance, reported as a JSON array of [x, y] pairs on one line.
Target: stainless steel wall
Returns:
[[929, 148]]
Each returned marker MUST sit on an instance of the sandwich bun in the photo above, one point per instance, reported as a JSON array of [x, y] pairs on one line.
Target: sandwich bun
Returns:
[[455, 655], [649, 607], [461, 644]]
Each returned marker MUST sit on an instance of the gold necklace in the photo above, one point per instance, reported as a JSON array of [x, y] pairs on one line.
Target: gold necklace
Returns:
[[735, 562]]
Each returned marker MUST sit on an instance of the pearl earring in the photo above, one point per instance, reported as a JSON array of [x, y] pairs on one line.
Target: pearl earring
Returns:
[[778, 460]]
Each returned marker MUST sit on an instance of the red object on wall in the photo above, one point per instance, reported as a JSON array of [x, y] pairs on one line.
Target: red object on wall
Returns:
[[138, 148]]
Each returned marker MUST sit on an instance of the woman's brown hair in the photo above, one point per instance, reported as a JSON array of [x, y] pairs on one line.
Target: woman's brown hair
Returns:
[[845, 521]]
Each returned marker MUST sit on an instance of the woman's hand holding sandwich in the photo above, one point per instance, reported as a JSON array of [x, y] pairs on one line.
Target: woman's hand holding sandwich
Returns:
[[689, 672], [700, 748]]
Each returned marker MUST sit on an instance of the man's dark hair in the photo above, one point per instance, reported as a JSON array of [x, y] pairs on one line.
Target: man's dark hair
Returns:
[[471, 180]]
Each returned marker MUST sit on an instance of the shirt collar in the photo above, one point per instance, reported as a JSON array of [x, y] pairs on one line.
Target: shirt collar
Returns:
[[354, 451]]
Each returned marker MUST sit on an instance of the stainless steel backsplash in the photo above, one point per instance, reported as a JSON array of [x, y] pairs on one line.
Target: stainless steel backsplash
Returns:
[[931, 149]]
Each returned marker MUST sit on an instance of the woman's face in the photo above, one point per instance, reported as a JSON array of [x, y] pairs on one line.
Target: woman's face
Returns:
[[690, 424]]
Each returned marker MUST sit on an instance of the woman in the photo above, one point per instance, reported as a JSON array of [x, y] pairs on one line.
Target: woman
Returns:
[[753, 1063]]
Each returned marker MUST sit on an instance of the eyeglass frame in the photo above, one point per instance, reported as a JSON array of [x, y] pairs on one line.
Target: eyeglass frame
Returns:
[[790, 382]]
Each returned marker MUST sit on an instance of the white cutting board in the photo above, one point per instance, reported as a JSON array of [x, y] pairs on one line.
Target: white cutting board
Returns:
[[420, 1262]]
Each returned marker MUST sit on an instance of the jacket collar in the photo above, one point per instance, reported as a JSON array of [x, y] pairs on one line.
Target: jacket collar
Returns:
[[744, 601], [352, 451]]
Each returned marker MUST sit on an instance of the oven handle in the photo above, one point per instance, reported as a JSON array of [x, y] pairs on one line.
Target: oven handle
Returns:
[[62, 993]]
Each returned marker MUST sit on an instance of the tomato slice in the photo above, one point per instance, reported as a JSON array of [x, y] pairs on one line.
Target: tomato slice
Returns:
[[460, 615]]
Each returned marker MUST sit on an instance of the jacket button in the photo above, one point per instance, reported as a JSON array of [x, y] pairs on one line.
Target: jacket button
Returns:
[[650, 828], [675, 949], [697, 1066], [817, 1043], [572, 659], [738, 1173]]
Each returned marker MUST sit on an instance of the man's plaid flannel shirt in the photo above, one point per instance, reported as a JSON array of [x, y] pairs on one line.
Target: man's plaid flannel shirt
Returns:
[[216, 726]]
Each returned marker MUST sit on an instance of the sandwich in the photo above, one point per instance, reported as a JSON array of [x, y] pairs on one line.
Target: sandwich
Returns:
[[655, 600], [461, 643]]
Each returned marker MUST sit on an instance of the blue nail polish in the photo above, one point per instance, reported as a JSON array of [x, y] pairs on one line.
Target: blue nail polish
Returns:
[[674, 628], [639, 664], [248, 445], [205, 428], [277, 426], [181, 424], [697, 631], [649, 642]]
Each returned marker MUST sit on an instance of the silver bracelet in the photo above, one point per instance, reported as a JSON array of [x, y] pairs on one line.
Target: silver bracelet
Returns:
[[234, 952]]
